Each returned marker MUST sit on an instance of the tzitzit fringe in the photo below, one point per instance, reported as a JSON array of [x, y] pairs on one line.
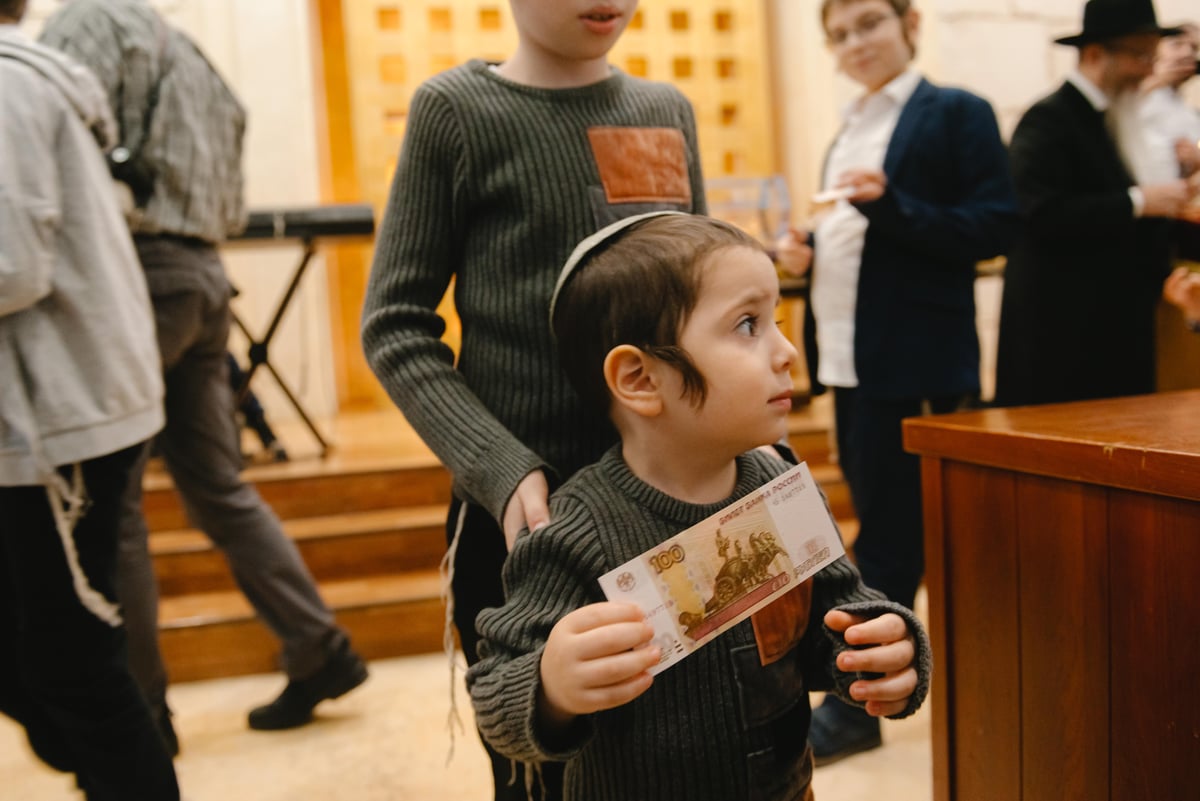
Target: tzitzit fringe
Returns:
[[68, 503], [446, 570]]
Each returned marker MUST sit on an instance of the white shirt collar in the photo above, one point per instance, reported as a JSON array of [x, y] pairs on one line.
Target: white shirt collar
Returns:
[[898, 90], [1095, 95]]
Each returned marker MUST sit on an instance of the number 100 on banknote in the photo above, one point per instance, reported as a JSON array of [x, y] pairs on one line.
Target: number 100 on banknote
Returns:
[[710, 577]]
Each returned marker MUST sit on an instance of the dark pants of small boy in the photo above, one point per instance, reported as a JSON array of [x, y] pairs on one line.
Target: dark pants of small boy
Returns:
[[64, 675], [477, 586]]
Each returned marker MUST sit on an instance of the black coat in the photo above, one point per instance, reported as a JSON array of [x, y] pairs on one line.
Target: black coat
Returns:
[[1083, 280]]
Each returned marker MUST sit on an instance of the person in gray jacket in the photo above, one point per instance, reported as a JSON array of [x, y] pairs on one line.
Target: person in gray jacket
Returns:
[[79, 394], [185, 126]]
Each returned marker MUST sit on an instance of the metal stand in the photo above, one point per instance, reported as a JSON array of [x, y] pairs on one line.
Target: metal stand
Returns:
[[259, 348]]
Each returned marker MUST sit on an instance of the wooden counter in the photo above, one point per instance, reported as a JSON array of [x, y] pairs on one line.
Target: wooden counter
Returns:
[[1063, 570]]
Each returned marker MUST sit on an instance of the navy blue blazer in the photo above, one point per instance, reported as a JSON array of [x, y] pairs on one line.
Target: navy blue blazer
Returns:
[[949, 204]]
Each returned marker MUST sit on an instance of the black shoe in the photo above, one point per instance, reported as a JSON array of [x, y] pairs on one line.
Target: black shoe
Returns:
[[839, 730], [344, 671]]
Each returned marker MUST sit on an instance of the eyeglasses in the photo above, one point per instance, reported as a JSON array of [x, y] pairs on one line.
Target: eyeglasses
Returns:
[[1141, 56], [862, 29]]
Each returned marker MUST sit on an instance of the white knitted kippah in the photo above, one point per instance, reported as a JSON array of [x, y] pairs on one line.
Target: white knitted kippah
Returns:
[[585, 248]]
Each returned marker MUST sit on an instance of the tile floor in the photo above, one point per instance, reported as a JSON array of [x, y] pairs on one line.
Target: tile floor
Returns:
[[389, 740]]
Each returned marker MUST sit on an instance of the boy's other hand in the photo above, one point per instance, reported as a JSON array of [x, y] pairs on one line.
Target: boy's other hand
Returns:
[[885, 646], [527, 508], [596, 658], [792, 252]]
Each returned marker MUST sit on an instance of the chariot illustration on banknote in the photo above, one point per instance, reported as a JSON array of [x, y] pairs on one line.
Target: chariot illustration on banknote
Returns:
[[710, 576]]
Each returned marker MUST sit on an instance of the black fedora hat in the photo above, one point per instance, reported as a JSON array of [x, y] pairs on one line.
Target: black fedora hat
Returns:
[[1109, 19]]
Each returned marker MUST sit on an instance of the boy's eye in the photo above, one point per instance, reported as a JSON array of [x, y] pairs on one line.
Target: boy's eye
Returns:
[[748, 324]]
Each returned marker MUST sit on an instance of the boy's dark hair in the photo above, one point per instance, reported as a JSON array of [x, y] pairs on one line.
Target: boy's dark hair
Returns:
[[13, 9], [638, 288], [901, 7]]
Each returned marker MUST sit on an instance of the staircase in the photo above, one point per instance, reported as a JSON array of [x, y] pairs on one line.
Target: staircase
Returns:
[[371, 531]]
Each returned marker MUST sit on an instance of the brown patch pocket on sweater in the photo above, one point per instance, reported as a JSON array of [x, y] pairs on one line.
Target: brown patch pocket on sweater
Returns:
[[779, 626], [642, 165]]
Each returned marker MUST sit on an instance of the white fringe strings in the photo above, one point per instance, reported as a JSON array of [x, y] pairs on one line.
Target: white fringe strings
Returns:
[[533, 771], [68, 503], [446, 570]]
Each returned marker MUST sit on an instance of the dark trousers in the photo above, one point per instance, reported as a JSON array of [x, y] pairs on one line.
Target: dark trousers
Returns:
[[201, 447], [885, 485], [477, 586], [64, 675]]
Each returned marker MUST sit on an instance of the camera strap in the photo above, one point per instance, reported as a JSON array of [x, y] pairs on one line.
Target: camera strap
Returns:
[[134, 149]]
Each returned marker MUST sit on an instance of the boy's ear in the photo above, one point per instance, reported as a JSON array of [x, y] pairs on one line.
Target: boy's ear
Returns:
[[911, 26], [632, 379]]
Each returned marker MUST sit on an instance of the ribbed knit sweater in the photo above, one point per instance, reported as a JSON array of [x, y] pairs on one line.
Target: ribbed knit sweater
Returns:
[[717, 725], [496, 184]]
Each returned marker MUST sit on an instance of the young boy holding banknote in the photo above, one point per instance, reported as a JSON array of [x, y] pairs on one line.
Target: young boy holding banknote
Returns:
[[665, 322]]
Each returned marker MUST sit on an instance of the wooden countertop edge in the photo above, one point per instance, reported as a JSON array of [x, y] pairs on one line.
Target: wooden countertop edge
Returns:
[[1122, 465]]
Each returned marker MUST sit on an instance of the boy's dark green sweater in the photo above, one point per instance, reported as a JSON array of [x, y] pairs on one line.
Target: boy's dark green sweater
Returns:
[[496, 184], [717, 725]]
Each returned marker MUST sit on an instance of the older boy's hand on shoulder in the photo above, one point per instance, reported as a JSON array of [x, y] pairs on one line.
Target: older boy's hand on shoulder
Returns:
[[891, 652], [527, 508], [596, 658]]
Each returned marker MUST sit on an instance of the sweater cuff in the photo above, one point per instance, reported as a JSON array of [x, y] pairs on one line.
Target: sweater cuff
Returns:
[[506, 712], [564, 746], [494, 477], [922, 656]]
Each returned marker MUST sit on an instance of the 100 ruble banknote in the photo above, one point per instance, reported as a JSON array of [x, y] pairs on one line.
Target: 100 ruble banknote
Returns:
[[712, 576]]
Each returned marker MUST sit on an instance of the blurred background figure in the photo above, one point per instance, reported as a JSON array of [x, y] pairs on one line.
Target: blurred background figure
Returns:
[[921, 192], [1082, 284], [80, 392], [181, 133], [252, 415], [1172, 127]]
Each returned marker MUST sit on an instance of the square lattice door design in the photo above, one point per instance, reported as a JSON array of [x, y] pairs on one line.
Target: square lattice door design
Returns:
[[376, 54]]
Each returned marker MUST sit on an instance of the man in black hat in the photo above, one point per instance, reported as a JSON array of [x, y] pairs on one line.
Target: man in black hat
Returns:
[[1084, 278]]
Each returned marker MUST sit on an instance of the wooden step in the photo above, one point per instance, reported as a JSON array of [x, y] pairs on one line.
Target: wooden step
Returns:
[[208, 635], [346, 483], [303, 490], [370, 524], [335, 547]]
